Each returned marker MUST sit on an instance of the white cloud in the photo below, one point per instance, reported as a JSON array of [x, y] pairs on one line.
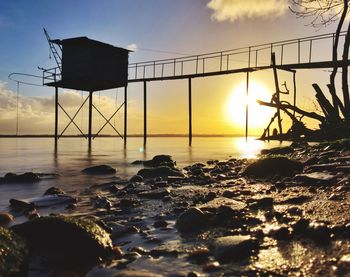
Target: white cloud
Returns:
[[36, 114], [233, 10], [132, 47]]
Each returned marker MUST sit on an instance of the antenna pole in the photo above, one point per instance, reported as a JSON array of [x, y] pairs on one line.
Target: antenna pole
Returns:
[[53, 50]]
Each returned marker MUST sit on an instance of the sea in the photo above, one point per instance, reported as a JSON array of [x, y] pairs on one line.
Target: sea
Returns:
[[72, 155]]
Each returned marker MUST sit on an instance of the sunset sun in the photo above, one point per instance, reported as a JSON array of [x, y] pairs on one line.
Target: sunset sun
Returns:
[[236, 105]]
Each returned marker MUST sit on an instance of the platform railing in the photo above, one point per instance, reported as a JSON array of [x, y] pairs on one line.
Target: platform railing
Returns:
[[51, 75]]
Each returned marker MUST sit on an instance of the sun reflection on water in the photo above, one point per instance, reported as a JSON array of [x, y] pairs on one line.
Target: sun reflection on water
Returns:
[[249, 147]]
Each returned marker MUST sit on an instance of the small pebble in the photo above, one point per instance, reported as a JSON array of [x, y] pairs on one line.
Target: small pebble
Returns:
[[160, 224], [210, 267]]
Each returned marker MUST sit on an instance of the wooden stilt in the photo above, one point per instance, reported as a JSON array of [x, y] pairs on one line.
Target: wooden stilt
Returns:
[[294, 90], [144, 113], [90, 118], [247, 107], [125, 112], [189, 111], [56, 115]]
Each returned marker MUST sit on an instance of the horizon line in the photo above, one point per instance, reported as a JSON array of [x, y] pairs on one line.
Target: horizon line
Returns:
[[131, 135]]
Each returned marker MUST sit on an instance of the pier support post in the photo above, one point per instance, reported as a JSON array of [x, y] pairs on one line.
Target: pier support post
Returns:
[[144, 113], [247, 106], [90, 118], [125, 112], [56, 115], [189, 111]]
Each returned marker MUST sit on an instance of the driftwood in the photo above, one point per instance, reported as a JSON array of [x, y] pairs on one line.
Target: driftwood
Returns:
[[329, 111], [298, 127], [276, 97], [287, 106], [336, 99], [267, 129]]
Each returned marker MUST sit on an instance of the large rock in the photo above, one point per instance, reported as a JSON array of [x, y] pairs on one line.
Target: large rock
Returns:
[[273, 166], [28, 177], [5, 219], [13, 254], [191, 220], [136, 179], [99, 169], [231, 248], [53, 190], [66, 241], [21, 205], [158, 160], [161, 171], [319, 232]]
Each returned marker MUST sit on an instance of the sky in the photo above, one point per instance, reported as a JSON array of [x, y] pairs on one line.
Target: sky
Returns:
[[153, 29]]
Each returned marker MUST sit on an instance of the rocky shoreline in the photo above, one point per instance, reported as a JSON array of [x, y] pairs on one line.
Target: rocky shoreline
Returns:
[[282, 214]]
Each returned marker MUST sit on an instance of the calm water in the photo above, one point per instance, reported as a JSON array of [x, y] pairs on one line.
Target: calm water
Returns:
[[38, 155]]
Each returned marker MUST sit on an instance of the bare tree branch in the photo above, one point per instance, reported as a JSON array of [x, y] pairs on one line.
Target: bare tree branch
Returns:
[[291, 107]]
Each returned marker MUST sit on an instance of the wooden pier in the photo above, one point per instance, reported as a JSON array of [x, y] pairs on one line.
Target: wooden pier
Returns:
[[252, 58]]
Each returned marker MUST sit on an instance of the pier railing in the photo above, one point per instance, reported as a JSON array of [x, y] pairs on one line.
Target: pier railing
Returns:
[[293, 51]]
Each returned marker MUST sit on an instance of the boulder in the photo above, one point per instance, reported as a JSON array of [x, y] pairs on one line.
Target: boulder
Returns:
[[28, 177], [99, 169], [21, 205], [13, 254], [262, 203], [101, 202], [191, 220], [161, 171], [233, 248], [158, 160], [319, 232], [66, 241], [282, 166], [280, 232], [160, 223], [136, 179], [54, 190], [5, 219]]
